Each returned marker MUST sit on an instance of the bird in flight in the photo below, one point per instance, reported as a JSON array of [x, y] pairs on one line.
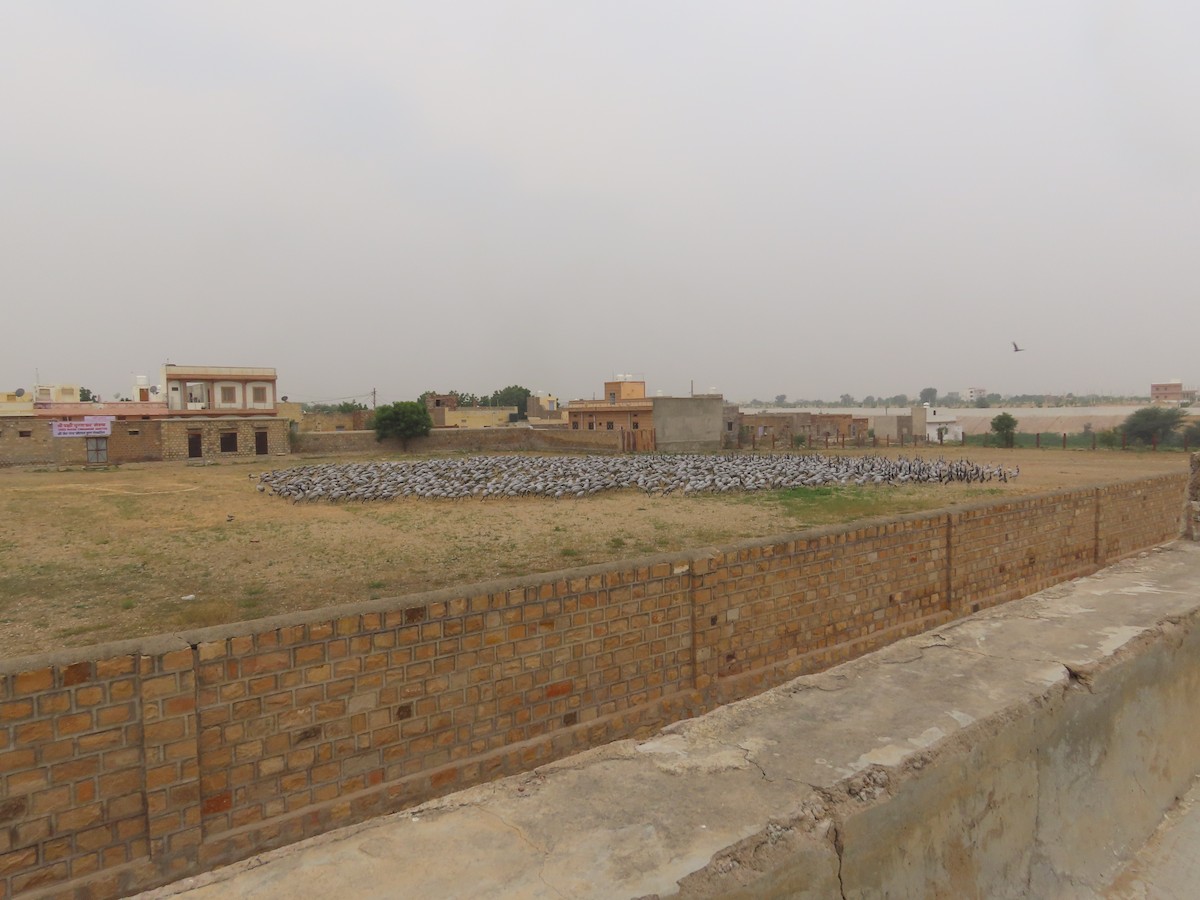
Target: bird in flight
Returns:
[[1016, 349]]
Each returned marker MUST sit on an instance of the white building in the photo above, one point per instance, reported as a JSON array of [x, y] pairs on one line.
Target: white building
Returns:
[[942, 427]]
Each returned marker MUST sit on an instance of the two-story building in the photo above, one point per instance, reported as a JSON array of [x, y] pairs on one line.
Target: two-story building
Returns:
[[625, 407], [670, 424], [196, 412], [1171, 393]]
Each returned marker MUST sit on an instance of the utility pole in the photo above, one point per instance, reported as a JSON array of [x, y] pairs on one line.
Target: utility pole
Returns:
[[372, 398]]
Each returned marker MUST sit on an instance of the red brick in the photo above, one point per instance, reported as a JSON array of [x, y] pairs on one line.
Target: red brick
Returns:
[[217, 803]]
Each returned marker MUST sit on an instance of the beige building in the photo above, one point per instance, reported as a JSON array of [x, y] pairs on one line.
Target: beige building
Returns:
[[445, 412], [200, 412], [625, 407], [201, 391]]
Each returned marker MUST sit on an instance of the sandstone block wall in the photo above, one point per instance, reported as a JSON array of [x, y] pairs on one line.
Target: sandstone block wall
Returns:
[[175, 437], [131, 764], [477, 440]]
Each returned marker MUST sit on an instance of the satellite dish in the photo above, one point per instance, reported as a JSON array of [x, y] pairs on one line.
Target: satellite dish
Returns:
[[20, 392], [284, 398], [154, 389]]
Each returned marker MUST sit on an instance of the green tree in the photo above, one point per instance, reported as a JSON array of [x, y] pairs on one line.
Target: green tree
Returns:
[[346, 406], [982, 403], [929, 395], [513, 395], [780, 399], [846, 400], [1154, 424], [1005, 428], [403, 419], [86, 396]]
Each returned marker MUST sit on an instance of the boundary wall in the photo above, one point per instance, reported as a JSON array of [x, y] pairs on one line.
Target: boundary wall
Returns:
[[131, 764], [449, 440]]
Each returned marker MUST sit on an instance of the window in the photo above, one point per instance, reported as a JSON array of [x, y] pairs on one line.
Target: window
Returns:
[[591, 426], [729, 426], [229, 441], [260, 395], [609, 426], [635, 426], [134, 432], [24, 434], [575, 425], [228, 394]]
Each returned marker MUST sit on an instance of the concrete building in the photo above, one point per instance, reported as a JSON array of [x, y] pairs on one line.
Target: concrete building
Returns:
[[942, 426], [445, 411], [199, 412], [688, 424], [1171, 392], [199, 391], [900, 427], [545, 409], [669, 424], [976, 394], [474, 417], [625, 407]]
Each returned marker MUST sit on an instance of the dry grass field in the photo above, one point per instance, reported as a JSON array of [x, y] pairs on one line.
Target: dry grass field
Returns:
[[92, 556]]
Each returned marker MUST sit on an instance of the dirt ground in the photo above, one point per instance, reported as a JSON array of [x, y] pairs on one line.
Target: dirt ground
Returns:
[[92, 556]]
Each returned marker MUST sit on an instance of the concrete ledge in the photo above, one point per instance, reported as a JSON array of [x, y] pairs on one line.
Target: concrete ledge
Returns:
[[1027, 750]]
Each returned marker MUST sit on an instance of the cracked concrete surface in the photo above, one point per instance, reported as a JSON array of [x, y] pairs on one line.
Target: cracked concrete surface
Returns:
[[982, 753]]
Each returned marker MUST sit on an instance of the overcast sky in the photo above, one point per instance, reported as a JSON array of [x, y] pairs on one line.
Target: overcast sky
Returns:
[[805, 198]]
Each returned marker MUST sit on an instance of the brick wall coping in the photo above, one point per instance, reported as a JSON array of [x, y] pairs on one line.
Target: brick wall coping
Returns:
[[151, 645]]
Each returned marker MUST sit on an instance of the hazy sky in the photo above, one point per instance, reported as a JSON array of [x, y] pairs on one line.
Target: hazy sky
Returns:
[[806, 198]]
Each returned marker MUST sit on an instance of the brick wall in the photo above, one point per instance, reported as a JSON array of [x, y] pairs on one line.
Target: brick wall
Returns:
[[29, 441], [131, 764], [42, 448], [134, 440]]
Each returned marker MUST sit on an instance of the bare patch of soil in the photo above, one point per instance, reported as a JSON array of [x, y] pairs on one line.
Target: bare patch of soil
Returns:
[[91, 556]]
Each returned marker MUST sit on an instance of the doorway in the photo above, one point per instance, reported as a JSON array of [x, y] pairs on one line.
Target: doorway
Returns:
[[195, 445], [97, 451], [260, 443]]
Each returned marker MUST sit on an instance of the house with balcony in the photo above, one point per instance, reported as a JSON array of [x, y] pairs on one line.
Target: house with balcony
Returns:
[[197, 412], [219, 390]]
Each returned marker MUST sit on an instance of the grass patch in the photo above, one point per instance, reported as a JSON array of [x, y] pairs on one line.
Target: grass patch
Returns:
[[832, 504]]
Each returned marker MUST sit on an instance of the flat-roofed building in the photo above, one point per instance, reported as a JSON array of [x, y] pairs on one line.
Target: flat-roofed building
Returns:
[[219, 390], [625, 407], [1168, 392]]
